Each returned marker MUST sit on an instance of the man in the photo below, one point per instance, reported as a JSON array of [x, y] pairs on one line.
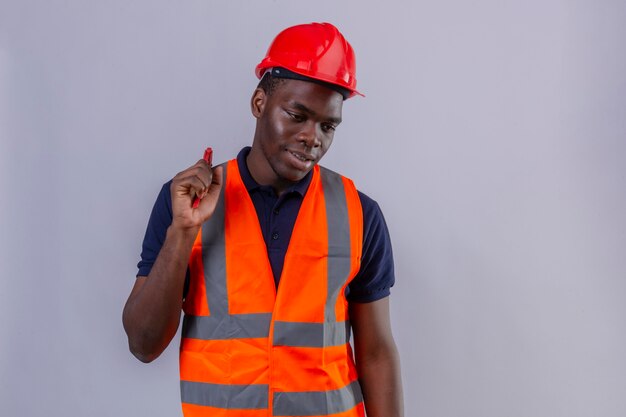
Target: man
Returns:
[[278, 262]]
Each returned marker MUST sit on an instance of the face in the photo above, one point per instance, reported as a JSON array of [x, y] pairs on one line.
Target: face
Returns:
[[295, 128]]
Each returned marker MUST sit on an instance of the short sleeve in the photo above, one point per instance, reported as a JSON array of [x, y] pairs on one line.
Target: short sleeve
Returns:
[[160, 220], [376, 275]]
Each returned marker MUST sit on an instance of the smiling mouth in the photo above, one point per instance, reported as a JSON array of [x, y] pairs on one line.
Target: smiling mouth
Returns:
[[300, 157]]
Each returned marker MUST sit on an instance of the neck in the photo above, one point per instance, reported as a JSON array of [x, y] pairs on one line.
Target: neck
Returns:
[[263, 174]]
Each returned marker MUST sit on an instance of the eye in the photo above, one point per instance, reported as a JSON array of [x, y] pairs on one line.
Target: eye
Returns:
[[297, 117], [327, 127]]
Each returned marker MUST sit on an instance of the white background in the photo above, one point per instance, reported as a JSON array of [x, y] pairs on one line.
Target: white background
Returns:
[[493, 135]]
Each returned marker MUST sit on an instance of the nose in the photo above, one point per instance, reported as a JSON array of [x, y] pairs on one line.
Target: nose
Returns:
[[309, 136]]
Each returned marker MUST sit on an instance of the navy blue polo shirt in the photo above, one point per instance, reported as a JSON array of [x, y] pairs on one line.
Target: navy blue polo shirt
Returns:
[[277, 216]]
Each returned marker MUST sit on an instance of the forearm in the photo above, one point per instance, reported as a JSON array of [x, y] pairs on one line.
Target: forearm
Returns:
[[379, 376], [152, 314]]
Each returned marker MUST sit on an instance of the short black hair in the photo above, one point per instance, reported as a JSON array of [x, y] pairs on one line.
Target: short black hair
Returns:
[[274, 77], [269, 83]]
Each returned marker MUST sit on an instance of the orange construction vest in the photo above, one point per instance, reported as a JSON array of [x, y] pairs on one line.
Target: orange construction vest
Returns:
[[249, 350]]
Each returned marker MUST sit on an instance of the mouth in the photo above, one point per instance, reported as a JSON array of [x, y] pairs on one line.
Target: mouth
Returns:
[[301, 156], [300, 160]]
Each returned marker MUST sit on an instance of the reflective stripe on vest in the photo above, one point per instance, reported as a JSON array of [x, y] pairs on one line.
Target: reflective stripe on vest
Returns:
[[242, 397], [224, 396], [318, 403], [247, 347]]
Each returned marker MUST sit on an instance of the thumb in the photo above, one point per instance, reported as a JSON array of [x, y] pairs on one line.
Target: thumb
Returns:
[[209, 201], [216, 182]]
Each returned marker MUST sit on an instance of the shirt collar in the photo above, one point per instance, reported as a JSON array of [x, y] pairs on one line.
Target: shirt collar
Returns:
[[300, 187]]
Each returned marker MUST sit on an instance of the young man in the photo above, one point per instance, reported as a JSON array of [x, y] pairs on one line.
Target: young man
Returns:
[[278, 263]]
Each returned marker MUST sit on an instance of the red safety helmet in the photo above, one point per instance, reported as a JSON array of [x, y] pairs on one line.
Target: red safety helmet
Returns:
[[314, 50]]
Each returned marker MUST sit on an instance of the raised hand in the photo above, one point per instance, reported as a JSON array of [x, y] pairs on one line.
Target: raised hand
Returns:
[[198, 181]]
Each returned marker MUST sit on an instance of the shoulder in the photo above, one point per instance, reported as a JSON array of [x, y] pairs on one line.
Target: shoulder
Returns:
[[160, 220], [330, 175], [371, 209], [376, 274], [372, 214], [163, 203], [375, 231]]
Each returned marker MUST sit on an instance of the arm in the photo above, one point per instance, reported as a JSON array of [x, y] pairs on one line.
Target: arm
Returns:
[[377, 360], [152, 312]]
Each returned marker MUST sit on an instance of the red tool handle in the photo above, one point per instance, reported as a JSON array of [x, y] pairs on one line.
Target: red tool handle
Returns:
[[208, 156]]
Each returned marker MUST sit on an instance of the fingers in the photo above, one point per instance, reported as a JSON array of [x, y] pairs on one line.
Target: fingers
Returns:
[[217, 175], [194, 194], [206, 206], [194, 181], [216, 182]]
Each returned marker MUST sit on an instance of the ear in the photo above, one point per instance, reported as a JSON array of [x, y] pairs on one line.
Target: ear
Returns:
[[257, 102]]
